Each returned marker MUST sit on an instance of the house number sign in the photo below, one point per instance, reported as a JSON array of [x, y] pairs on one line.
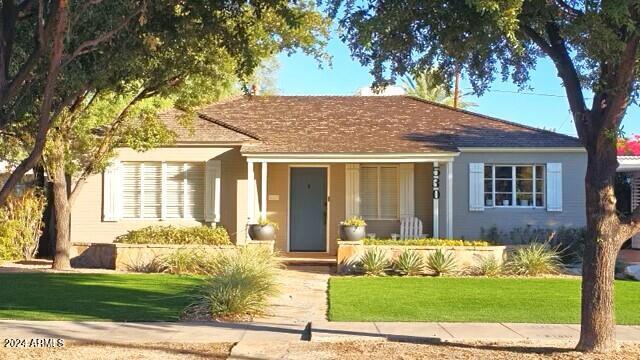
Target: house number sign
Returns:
[[436, 182]]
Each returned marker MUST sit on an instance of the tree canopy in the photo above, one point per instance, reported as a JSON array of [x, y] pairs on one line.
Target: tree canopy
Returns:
[[82, 48]]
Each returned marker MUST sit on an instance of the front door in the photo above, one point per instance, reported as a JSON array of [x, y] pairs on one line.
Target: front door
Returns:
[[308, 209]]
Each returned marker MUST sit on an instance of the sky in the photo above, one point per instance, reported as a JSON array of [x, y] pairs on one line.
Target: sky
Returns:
[[300, 75]]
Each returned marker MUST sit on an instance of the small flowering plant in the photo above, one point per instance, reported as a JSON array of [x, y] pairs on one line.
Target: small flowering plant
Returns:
[[354, 221]]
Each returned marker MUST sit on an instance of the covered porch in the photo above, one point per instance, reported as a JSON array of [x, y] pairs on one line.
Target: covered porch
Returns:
[[308, 195]]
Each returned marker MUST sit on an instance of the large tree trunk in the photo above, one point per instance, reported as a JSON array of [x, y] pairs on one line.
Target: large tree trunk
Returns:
[[602, 244], [62, 215]]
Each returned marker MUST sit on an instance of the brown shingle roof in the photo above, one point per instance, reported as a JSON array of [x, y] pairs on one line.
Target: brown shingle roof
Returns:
[[365, 124], [200, 129]]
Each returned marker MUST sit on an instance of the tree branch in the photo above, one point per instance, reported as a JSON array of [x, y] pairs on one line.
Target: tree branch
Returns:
[[568, 9], [90, 45], [556, 49], [7, 36]]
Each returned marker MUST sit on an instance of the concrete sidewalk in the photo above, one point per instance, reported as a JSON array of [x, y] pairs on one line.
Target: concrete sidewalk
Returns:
[[199, 332]]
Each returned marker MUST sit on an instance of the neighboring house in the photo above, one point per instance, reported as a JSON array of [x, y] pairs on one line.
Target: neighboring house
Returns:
[[630, 167], [309, 162]]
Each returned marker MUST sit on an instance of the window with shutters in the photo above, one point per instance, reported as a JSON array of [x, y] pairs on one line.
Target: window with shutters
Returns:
[[379, 191], [163, 190], [514, 185]]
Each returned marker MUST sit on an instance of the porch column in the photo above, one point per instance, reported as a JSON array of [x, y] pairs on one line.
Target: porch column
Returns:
[[250, 192], [436, 196], [263, 187], [449, 194]]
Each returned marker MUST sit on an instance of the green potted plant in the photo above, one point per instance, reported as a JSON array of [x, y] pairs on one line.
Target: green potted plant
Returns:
[[353, 229], [263, 230]]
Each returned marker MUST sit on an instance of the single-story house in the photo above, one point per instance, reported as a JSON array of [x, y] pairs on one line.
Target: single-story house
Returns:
[[309, 162]]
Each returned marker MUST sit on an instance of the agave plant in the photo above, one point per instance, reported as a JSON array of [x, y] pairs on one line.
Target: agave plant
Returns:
[[409, 262], [374, 262], [439, 262], [535, 259]]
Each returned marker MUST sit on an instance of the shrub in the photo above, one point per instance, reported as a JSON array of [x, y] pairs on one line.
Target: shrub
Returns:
[[425, 242], [354, 221], [409, 262], [202, 235], [239, 285], [487, 266], [440, 263], [21, 225], [374, 262], [535, 259]]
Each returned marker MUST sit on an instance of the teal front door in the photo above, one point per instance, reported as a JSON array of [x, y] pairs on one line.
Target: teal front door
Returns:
[[308, 209]]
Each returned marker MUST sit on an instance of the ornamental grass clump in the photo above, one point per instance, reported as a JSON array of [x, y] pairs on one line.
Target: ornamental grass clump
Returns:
[[487, 266], [239, 285], [441, 263], [188, 261], [535, 259], [409, 263], [374, 262]]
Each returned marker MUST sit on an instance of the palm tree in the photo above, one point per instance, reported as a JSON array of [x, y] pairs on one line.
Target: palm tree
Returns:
[[429, 85]]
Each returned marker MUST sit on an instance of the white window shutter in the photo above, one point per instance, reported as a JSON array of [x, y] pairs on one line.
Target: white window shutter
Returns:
[[476, 187], [213, 173], [554, 187], [407, 198], [112, 192], [352, 189]]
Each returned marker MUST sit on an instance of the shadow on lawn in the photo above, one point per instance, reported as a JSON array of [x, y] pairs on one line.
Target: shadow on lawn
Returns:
[[38, 296]]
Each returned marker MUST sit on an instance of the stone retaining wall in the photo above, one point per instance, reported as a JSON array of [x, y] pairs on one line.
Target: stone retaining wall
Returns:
[[125, 257], [349, 252]]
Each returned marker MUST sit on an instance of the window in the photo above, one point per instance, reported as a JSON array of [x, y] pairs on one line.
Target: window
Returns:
[[514, 185], [163, 190], [379, 192]]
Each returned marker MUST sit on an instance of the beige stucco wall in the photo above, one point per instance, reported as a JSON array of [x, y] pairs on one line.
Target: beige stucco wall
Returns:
[[86, 214], [87, 224]]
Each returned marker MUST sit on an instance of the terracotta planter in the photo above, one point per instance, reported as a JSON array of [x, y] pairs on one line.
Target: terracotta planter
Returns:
[[262, 232], [352, 233]]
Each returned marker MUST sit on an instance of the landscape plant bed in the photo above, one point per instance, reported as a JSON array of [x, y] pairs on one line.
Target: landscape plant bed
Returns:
[[96, 297], [128, 257], [469, 299], [426, 242], [466, 256]]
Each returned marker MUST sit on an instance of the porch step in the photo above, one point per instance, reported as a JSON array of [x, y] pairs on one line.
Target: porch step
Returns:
[[308, 259]]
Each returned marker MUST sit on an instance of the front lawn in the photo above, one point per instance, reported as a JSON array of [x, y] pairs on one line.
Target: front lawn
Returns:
[[114, 297], [469, 299]]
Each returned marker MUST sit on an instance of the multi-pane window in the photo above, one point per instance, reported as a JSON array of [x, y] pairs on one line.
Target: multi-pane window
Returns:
[[379, 191], [163, 190], [514, 185]]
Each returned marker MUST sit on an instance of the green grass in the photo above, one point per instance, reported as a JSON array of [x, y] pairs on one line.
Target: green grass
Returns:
[[469, 299], [110, 297]]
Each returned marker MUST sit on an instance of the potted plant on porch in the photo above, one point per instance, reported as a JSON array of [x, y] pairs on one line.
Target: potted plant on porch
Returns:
[[263, 230], [353, 229]]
